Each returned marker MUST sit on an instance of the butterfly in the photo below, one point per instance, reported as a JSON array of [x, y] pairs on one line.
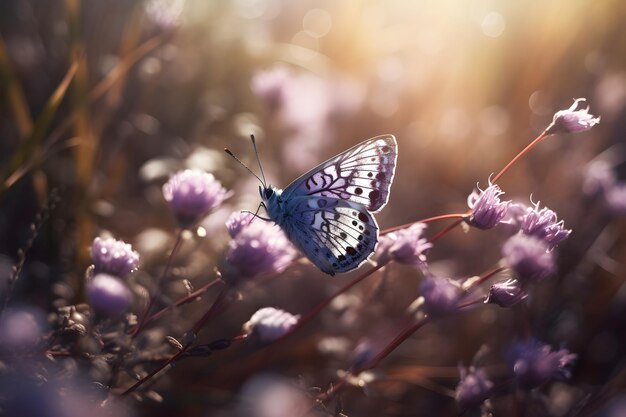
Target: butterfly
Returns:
[[327, 212]]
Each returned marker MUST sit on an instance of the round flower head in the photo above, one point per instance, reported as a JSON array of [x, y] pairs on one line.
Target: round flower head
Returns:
[[487, 209], [533, 363], [474, 388], [114, 257], [406, 246], [506, 294], [598, 177], [20, 330], [441, 295], [270, 86], [258, 248], [237, 222], [544, 225], [529, 258], [269, 324], [108, 295], [192, 194], [573, 120]]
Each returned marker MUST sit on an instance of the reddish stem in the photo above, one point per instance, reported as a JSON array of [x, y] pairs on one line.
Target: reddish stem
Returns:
[[524, 151], [187, 299], [427, 220], [168, 265]]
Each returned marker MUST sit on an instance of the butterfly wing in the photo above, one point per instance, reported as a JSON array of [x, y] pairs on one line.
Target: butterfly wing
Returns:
[[336, 235], [362, 175]]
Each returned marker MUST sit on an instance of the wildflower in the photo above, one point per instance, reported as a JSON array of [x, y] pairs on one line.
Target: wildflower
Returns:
[[114, 257], [270, 86], [267, 395], [543, 224], [441, 295], [474, 387], [258, 248], [529, 258], [269, 324], [573, 120], [406, 246], [487, 209], [191, 194], [506, 294], [108, 295], [599, 176], [533, 363], [20, 330], [237, 222]]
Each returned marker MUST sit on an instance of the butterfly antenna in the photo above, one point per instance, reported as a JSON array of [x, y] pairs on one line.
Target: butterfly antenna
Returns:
[[228, 151], [256, 152]]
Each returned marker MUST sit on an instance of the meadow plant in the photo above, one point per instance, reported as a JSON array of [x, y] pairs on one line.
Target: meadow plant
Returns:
[[215, 321]]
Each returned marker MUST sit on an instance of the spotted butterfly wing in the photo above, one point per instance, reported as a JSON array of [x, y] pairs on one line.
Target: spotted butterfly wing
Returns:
[[326, 212], [362, 174]]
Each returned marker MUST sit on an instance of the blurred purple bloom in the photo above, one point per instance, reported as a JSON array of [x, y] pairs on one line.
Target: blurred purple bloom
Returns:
[[506, 294], [191, 194], [529, 258], [573, 120], [474, 387], [114, 257], [20, 330], [269, 324], [598, 177], [237, 222], [406, 246], [108, 295], [544, 224], [615, 198], [270, 86], [533, 363], [441, 295], [487, 209], [258, 248]]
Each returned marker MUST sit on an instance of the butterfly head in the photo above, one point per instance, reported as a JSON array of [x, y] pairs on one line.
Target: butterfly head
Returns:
[[268, 193]]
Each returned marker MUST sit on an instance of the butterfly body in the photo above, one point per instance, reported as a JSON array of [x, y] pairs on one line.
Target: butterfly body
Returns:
[[327, 212]]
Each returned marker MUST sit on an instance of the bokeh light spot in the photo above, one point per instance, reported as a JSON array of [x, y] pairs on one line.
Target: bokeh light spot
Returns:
[[493, 24], [317, 22]]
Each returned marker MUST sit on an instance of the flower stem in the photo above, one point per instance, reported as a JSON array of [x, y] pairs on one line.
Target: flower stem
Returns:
[[168, 265], [187, 299], [426, 220], [524, 151]]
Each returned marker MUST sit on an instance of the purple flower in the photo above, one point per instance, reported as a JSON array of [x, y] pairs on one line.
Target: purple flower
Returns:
[[533, 363], [108, 295], [20, 330], [441, 295], [406, 246], [487, 209], [269, 324], [191, 194], [237, 222], [270, 86], [258, 248], [474, 387], [114, 257], [544, 225], [529, 258], [506, 294], [573, 120], [598, 177]]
